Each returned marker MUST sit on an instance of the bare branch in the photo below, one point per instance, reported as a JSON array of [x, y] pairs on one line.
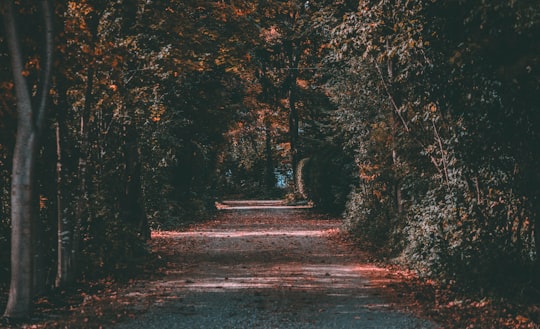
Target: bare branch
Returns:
[[390, 97], [443, 157]]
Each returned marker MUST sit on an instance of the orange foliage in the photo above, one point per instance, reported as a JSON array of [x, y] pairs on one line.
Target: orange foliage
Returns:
[[7, 85], [302, 83], [42, 202]]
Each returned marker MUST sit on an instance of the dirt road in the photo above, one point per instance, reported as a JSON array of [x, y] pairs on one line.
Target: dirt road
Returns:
[[263, 268]]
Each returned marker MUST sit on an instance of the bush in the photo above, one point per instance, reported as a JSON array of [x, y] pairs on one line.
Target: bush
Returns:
[[112, 248], [328, 178], [478, 236], [368, 217]]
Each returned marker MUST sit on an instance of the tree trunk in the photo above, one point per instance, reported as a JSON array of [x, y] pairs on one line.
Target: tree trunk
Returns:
[[82, 198], [398, 199], [30, 123], [293, 132], [269, 177], [82, 190], [22, 203], [38, 239], [293, 112], [64, 216], [64, 274], [133, 204]]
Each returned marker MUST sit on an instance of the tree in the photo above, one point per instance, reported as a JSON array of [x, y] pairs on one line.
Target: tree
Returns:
[[430, 104], [78, 44], [31, 120]]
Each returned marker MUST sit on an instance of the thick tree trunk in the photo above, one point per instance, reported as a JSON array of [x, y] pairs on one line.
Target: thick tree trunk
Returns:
[[22, 199], [20, 293], [41, 244], [30, 123]]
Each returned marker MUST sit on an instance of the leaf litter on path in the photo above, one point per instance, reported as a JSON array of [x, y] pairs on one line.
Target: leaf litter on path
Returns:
[[273, 268], [269, 268]]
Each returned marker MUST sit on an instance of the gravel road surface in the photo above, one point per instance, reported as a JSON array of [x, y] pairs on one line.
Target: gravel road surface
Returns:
[[263, 268]]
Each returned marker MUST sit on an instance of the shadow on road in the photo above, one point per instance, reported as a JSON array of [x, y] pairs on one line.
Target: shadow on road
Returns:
[[264, 268]]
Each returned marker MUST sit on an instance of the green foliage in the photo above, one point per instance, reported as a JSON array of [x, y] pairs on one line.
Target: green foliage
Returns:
[[455, 231], [438, 103], [328, 179], [368, 217], [432, 107], [111, 248]]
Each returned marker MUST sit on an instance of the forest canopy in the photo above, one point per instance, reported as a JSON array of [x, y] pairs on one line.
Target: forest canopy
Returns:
[[417, 120]]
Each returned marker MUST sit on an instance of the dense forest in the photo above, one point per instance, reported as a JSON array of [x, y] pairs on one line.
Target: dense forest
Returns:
[[416, 120]]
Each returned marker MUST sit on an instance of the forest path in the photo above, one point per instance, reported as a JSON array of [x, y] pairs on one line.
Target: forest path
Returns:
[[274, 267]]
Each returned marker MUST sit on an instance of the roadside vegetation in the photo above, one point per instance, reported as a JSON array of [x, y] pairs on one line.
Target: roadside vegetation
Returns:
[[416, 120]]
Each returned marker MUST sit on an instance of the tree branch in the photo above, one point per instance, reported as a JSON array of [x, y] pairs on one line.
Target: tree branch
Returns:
[[394, 105], [22, 91], [443, 157]]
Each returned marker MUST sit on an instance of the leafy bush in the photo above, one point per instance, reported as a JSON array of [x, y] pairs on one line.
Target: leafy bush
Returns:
[[112, 248], [442, 121], [367, 216], [327, 177], [449, 233]]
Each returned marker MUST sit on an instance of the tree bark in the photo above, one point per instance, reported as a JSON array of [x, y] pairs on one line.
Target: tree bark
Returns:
[[293, 132], [64, 270], [64, 273], [269, 178], [133, 203], [82, 190], [30, 122], [293, 111], [82, 207]]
